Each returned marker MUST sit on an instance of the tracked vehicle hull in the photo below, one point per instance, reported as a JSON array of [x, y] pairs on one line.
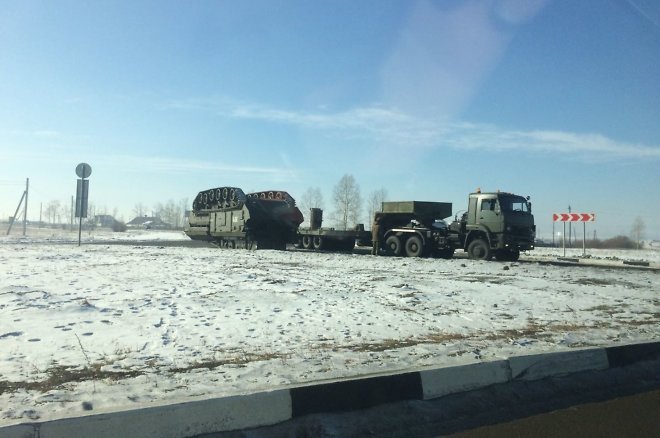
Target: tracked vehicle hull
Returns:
[[232, 219]]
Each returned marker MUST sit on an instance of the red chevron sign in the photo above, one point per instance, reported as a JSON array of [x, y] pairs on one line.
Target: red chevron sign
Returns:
[[573, 217]]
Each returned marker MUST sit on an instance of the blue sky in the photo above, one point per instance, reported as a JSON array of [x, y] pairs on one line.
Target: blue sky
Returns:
[[558, 100]]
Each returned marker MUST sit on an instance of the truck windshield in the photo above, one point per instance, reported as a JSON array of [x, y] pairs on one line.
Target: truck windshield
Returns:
[[514, 203]]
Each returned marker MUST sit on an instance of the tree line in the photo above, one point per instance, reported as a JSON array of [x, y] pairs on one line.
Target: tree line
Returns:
[[347, 202]]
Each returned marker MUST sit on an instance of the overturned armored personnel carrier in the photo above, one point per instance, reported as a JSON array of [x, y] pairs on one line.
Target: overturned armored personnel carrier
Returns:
[[232, 219]]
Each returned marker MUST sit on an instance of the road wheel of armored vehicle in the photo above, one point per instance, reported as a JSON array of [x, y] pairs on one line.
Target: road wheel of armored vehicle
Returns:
[[414, 246], [479, 250], [307, 242], [317, 242], [393, 246]]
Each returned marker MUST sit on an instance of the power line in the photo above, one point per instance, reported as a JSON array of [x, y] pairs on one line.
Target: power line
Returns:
[[641, 12]]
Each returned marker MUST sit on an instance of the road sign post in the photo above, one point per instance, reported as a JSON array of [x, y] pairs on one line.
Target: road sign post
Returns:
[[575, 217], [83, 170]]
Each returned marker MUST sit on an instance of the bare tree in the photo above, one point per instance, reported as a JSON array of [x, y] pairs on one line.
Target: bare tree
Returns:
[[173, 213], [183, 211], [90, 222], [376, 199], [638, 228], [312, 198], [169, 213], [348, 202], [53, 211], [139, 210], [68, 213], [157, 210]]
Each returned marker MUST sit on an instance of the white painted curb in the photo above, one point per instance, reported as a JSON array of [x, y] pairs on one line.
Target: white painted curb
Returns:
[[178, 420], [443, 381], [538, 366]]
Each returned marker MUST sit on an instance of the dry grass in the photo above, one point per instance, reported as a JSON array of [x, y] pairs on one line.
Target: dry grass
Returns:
[[239, 360], [59, 376]]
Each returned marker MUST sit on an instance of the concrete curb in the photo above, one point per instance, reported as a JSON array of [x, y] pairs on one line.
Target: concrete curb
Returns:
[[176, 420], [269, 408], [538, 366], [450, 380]]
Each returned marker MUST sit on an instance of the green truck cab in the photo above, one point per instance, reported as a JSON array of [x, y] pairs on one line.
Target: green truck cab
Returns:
[[495, 224]]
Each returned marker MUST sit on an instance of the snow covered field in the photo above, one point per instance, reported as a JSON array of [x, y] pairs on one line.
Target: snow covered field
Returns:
[[104, 327]]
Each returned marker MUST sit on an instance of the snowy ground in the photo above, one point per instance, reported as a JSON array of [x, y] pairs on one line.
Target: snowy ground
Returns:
[[103, 327]]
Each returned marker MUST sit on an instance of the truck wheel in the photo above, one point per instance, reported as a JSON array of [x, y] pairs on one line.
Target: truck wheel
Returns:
[[515, 255], [318, 242], [414, 246], [479, 250], [393, 245], [307, 242]]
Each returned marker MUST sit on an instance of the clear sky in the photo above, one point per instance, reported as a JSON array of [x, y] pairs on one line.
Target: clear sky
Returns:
[[558, 100]]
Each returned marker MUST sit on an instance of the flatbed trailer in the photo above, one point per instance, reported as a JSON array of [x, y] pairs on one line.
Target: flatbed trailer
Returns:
[[319, 238]]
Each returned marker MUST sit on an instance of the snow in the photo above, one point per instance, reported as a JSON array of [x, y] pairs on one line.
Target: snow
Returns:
[[67, 235], [646, 255], [103, 327]]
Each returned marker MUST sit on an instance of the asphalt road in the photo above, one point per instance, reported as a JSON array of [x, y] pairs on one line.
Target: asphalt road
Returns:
[[633, 416]]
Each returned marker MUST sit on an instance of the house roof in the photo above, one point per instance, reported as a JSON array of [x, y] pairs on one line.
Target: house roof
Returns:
[[146, 220]]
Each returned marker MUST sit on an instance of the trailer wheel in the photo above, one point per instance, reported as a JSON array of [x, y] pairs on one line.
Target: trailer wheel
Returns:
[[414, 246], [479, 250], [307, 242], [393, 245], [318, 242]]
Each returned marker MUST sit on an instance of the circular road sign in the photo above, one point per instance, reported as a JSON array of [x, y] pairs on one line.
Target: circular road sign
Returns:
[[83, 170]]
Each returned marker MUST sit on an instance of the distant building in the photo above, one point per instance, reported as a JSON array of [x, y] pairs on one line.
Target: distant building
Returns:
[[148, 223], [104, 220]]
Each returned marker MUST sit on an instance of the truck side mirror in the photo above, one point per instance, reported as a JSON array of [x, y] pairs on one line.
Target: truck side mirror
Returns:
[[497, 208], [529, 207]]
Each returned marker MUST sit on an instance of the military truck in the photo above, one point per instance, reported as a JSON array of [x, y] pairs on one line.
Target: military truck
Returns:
[[230, 218], [495, 224]]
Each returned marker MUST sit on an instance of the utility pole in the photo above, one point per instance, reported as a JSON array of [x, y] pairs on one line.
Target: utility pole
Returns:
[[13, 219], [27, 191]]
